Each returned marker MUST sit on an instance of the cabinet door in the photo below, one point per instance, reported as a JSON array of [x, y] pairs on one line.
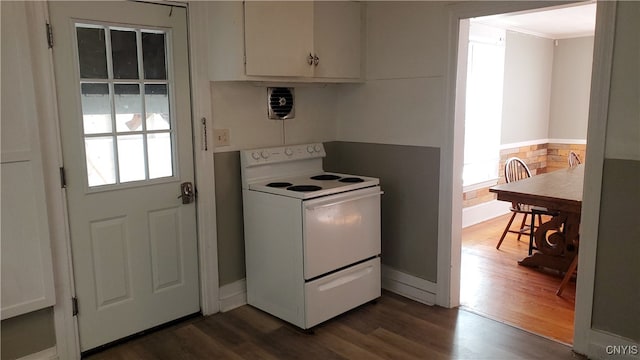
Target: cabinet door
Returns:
[[278, 38], [337, 39], [27, 270]]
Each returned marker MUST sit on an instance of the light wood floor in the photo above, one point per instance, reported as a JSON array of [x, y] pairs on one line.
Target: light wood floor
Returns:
[[393, 328], [493, 284]]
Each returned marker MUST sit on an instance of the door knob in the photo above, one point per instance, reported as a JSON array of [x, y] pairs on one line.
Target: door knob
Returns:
[[186, 193]]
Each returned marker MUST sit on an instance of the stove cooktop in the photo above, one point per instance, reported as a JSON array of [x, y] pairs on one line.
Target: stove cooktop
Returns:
[[314, 185]]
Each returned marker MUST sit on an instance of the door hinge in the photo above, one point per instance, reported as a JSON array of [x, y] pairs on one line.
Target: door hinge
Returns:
[[49, 35], [63, 178], [74, 305]]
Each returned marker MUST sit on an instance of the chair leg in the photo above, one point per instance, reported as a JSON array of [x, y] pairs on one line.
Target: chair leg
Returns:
[[567, 276], [522, 225], [506, 230]]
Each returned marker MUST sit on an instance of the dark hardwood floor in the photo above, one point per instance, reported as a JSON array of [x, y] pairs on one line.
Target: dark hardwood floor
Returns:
[[496, 293], [494, 285], [392, 328]]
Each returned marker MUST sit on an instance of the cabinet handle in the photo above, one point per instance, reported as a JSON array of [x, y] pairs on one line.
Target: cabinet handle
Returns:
[[316, 60], [310, 59]]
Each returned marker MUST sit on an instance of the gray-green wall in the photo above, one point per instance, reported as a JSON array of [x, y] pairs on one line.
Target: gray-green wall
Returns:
[[230, 231], [409, 205], [410, 202], [616, 298], [27, 334]]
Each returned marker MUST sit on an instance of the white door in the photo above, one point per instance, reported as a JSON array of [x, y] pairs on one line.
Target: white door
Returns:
[[122, 81]]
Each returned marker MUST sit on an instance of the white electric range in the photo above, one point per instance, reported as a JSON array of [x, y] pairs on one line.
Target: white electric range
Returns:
[[312, 238]]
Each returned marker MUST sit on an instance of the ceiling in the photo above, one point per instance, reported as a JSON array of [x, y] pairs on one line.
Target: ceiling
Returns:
[[554, 23]]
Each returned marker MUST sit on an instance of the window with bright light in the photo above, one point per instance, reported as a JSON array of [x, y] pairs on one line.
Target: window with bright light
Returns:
[[483, 113], [125, 97]]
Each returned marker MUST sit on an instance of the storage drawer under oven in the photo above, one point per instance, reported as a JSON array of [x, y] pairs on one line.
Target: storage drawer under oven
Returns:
[[340, 230], [341, 291]]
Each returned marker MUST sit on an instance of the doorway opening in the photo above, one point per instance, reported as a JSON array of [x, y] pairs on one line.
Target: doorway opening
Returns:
[[527, 95]]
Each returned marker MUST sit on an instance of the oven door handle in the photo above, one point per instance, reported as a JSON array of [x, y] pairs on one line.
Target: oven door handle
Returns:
[[312, 207]]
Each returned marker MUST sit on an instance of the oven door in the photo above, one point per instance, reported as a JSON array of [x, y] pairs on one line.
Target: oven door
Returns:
[[340, 230]]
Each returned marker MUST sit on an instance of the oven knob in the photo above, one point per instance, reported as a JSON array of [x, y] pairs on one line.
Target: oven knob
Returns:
[[255, 155], [317, 148], [265, 154], [310, 149], [288, 151]]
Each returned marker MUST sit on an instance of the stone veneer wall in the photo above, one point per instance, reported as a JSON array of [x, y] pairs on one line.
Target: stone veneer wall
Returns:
[[540, 158], [558, 154]]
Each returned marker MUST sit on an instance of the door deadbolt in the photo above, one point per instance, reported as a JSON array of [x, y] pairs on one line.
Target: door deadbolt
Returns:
[[186, 193]]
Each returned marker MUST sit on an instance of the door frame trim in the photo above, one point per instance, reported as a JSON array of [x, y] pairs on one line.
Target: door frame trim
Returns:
[[450, 208], [203, 157], [451, 154], [65, 324]]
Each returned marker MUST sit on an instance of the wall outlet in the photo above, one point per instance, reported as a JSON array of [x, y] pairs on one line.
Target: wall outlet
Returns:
[[221, 137]]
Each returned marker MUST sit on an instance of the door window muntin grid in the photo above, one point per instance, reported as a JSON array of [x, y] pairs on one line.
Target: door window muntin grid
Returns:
[[112, 130]]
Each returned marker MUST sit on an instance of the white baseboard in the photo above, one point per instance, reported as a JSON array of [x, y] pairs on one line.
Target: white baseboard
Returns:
[[409, 286], [608, 346], [46, 354], [482, 212], [233, 295]]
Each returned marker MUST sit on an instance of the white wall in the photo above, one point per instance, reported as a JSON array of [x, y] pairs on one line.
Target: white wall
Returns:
[[242, 108], [570, 88], [527, 87], [402, 101]]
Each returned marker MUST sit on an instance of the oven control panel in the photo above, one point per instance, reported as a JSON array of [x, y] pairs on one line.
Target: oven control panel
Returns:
[[282, 154]]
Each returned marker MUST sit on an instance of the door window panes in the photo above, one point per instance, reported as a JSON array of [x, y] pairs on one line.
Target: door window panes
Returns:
[[92, 52], [96, 108], [153, 53], [159, 149], [156, 99], [101, 169], [126, 117], [131, 158], [124, 53], [128, 105]]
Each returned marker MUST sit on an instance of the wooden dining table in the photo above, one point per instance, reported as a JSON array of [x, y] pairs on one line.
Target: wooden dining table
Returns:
[[557, 239]]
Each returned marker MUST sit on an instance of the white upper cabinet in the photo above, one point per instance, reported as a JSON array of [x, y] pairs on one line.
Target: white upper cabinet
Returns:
[[278, 38], [337, 37], [299, 41]]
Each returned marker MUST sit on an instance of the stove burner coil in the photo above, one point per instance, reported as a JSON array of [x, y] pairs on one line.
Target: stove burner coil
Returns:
[[279, 184], [325, 177], [304, 188], [351, 180]]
